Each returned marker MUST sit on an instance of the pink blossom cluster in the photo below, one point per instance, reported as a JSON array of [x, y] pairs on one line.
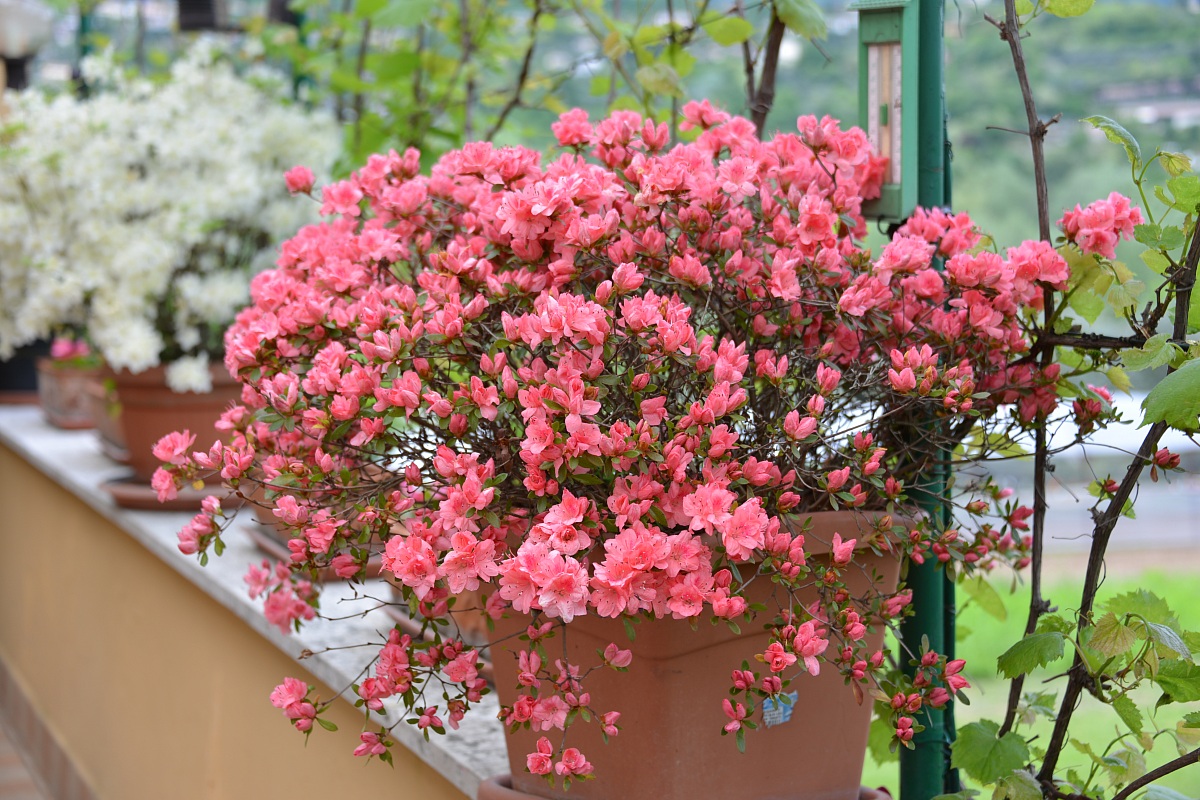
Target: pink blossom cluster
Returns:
[[287, 599], [1098, 228], [617, 383]]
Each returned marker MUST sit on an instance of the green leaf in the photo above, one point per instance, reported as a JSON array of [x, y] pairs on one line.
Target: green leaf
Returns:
[[986, 597], [1035, 650], [1145, 604], [1186, 191], [880, 739], [1156, 261], [1169, 640], [326, 724], [1128, 711], [1087, 305], [1111, 637], [1191, 720], [1175, 163], [1176, 399], [965, 794], [802, 17], [984, 755], [678, 57], [1125, 765], [1069, 8], [1024, 7], [660, 79], [600, 84], [1112, 130], [1180, 681], [402, 13], [729, 30], [1119, 378], [368, 8], [1054, 622], [1156, 352], [1157, 792], [1018, 786]]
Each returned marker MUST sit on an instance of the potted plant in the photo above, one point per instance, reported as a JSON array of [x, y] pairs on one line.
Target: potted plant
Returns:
[[643, 395], [140, 213], [63, 379]]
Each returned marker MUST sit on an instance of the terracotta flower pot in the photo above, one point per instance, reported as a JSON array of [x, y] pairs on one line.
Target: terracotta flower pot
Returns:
[[150, 410], [105, 412], [500, 788], [670, 745], [63, 393]]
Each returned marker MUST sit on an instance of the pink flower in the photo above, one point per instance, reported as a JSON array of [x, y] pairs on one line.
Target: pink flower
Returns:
[[708, 507], [573, 763], [371, 745], [541, 762], [616, 657], [299, 180], [735, 713], [842, 552], [776, 658], [836, 479], [173, 447]]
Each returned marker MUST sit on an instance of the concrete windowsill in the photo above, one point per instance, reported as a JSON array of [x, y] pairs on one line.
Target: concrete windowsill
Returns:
[[73, 459]]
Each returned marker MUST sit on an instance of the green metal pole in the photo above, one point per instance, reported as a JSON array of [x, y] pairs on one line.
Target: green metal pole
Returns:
[[925, 770], [84, 38]]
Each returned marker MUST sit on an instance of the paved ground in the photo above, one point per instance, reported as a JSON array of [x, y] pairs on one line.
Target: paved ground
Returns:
[[15, 781]]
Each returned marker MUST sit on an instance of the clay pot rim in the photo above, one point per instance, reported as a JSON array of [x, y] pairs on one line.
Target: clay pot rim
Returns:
[[156, 376], [48, 364]]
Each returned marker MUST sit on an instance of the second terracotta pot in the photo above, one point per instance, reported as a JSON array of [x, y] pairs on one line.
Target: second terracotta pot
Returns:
[[63, 393], [149, 410], [670, 746]]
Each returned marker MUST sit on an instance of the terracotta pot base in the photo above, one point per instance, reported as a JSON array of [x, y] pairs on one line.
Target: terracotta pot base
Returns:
[[670, 702], [134, 494], [63, 394], [500, 788]]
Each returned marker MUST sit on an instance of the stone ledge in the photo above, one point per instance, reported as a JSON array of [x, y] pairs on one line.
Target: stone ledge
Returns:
[[73, 460]]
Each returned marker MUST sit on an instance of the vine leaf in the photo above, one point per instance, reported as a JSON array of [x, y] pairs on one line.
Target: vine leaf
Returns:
[[1144, 603], [802, 17], [1018, 786], [728, 30], [1069, 8], [1180, 682], [1175, 163], [986, 756], [1176, 399], [1111, 637], [986, 597], [1169, 640], [1128, 711], [1035, 650], [1113, 131], [1157, 792]]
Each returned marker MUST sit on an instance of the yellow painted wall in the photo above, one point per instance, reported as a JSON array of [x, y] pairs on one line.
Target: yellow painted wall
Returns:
[[154, 689]]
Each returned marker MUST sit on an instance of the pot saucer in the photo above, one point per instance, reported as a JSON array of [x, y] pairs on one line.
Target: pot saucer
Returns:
[[134, 494]]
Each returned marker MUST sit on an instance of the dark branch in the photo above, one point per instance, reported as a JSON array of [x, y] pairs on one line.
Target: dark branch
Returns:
[[1185, 760], [522, 76], [764, 97]]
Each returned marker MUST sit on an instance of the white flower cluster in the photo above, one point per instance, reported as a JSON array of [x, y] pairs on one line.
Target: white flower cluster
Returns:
[[141, 212]]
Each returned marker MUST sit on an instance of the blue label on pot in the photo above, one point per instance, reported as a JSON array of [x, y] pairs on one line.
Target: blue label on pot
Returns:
[[778, 710]]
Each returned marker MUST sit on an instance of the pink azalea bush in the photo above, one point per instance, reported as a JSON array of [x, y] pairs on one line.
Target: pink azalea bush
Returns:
[[617, 383]]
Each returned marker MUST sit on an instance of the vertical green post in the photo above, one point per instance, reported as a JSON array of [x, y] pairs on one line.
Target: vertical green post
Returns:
[[925, 770], [84, 38]]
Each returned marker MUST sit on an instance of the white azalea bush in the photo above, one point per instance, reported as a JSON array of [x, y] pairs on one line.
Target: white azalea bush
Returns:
[[141, 212]]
